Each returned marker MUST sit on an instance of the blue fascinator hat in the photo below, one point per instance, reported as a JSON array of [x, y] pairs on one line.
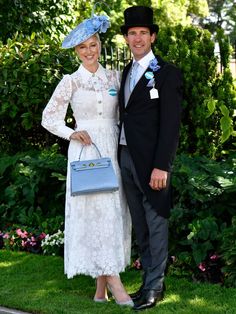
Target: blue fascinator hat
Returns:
[[86, 29]]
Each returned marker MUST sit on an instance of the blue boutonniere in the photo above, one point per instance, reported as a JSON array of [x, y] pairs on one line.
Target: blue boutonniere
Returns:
[[154, 66]]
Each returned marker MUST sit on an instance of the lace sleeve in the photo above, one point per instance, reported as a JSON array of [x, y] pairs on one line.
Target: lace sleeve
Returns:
[[53, 118]]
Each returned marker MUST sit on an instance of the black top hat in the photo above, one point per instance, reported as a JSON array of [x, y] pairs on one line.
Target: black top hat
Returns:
[[139, 16]]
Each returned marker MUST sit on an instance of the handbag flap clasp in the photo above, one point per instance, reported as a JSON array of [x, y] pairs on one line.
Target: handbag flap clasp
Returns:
[[90, 164]]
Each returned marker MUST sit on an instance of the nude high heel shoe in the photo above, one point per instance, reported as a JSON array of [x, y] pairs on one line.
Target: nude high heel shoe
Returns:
[[129, 303], [100, 300]]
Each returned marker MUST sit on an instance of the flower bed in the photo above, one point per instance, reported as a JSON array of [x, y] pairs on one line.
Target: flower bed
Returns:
[[31, 240]]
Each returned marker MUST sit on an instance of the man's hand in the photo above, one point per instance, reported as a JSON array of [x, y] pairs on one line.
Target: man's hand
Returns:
[[158, 179]]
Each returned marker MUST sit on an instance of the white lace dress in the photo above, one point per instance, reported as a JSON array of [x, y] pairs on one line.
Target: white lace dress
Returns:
[[97, 226]]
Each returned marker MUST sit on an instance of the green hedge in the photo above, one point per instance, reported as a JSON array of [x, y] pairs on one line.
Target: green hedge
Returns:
[[31, 68], [32, 187], [209, 98]]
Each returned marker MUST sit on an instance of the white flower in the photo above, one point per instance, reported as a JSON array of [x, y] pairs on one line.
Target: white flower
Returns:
[[52, 243]]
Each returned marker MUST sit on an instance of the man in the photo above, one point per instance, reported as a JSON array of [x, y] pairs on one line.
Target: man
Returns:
[[150, 98]]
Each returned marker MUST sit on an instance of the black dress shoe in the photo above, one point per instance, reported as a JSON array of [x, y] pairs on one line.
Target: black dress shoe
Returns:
[[136, 295], [148, 299]]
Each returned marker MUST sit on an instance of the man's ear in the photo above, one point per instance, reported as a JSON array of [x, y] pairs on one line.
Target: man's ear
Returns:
[[153, 37]]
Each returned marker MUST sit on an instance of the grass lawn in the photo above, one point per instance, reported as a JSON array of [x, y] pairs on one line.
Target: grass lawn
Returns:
[[36, 284]]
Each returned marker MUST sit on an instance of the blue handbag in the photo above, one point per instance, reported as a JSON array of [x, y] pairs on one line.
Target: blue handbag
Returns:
[[90, 176]]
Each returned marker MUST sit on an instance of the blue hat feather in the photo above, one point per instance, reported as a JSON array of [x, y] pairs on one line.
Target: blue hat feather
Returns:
[[86, 29]]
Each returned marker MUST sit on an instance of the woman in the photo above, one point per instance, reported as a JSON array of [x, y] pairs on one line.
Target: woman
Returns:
[[97, 226]]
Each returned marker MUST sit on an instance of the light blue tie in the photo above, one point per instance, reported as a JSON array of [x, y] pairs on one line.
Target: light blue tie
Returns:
[[133, 76]]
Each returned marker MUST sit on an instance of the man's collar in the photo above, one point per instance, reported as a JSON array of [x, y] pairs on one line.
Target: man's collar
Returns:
[[144, 62]]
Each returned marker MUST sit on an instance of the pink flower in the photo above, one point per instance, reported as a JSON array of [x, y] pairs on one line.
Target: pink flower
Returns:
[[32, 241], [42, 236], [6, 236], [21, 234], [18, 232], [214, 257], [137, 264], [202, 266]]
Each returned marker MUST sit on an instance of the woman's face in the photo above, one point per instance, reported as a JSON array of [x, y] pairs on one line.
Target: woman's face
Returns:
[[89, 51]]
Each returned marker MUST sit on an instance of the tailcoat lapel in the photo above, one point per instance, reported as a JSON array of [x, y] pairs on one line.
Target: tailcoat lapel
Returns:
[[122, 85], [142, 83]]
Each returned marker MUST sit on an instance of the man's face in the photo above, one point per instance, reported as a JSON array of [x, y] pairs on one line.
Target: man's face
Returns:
[[139, 40]]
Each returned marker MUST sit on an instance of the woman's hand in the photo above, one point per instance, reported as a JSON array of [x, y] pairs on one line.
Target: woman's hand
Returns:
[[81, 136]]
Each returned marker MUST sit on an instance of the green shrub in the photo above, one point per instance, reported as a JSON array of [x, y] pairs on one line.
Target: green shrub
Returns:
[[228, 253], [49, 16], [209, 98], [31, 68], [33, 188], [204, 206]]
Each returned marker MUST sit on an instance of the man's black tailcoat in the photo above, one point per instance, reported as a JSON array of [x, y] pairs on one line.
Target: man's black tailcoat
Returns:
[[152, 128]]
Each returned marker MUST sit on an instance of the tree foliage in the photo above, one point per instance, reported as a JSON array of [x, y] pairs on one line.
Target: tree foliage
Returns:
[[222, 16], [171, 13], [206, 125], [57, 18], [52, 17]]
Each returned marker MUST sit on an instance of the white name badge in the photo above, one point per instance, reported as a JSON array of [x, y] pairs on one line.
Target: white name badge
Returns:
[[154, 93]]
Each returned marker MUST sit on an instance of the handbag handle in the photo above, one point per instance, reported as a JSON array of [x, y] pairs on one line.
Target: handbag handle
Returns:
[[100, 155]]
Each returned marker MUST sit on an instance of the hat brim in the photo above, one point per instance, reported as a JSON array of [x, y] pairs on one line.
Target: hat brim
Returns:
[[152, 27], [67, 43]]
